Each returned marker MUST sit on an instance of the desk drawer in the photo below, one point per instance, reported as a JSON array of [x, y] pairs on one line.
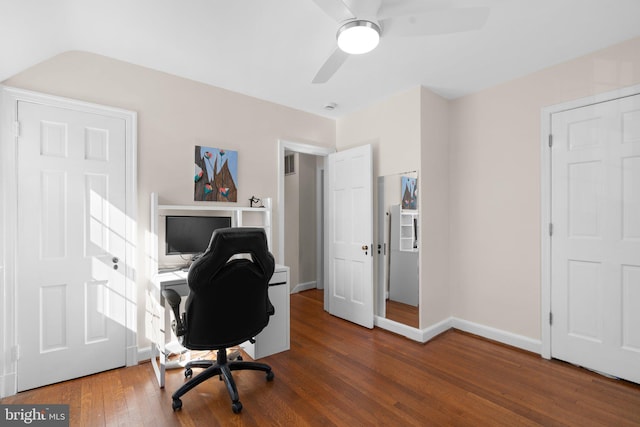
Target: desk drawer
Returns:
[[278, 278]]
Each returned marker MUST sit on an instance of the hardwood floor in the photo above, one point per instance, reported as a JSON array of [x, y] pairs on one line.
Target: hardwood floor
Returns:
[[403, 313], [337, 373]]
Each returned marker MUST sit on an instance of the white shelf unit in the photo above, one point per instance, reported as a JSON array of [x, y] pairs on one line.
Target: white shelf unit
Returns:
[[403, 257], [239, 218], [403, 229]]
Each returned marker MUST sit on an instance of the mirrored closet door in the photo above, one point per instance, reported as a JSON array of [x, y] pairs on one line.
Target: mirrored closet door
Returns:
[[398, 251]]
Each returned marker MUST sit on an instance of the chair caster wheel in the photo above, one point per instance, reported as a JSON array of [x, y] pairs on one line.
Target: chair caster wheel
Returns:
[[239, 358], [188, 373], [270, 376], [176, 404], [236, 407]]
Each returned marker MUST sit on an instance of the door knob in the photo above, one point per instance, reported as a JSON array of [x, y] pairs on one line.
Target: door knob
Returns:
[[365, 247], [115, 260]]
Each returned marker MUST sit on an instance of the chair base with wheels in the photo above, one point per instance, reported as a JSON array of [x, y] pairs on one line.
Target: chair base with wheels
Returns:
[[220, 367]]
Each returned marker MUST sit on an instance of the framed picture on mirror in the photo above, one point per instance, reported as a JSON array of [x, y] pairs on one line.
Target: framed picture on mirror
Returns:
[[409, 192]]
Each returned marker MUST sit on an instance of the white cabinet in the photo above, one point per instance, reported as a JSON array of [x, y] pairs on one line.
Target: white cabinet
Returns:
[[274, 338]]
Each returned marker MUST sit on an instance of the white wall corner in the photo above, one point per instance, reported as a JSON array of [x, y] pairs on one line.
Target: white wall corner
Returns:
[[304, 287], [415, 334], [427, 334], [144, 354], [504, 337]]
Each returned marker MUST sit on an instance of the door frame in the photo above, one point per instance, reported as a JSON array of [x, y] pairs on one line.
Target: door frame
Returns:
[[316, 150], [545, 202], [9, 98]]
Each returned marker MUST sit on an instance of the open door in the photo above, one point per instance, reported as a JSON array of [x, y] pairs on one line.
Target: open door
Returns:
[[350, 235]]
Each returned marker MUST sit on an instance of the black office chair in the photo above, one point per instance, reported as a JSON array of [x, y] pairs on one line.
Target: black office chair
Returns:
[[228, 304]]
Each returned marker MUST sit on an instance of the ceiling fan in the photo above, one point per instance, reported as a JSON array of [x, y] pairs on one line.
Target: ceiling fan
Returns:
[[363, 22]]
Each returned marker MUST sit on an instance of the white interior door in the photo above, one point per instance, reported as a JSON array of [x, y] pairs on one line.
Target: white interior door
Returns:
[[70, 244], [350, 231], [595, 246]]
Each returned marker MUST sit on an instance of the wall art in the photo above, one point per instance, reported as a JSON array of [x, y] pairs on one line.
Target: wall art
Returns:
[[215, 175]]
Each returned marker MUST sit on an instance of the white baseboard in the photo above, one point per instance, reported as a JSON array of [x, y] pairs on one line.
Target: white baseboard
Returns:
[[504, 337], [420, 335], [8, 385], [144, 354], [304, 287], [426, 334], [398, 328], [435, 330]]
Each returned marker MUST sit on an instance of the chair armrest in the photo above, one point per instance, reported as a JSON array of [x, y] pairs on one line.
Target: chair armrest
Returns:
[[173, 298]]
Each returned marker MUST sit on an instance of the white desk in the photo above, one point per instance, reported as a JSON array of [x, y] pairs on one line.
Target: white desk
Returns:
[[273, 339]]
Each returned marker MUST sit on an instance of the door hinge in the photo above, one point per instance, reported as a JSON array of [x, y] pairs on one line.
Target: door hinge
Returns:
[[550, 229], [550, 318], [550, 140], [15, 353], [16, 128]]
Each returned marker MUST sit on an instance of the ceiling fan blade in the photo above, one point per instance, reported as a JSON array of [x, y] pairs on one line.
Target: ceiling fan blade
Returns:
[[336, 9], [436, 22], [364, 9], [330, 66], [394, 8]]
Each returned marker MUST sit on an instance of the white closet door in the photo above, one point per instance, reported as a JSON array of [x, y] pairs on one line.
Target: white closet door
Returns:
[[595, 247], [71, 244]]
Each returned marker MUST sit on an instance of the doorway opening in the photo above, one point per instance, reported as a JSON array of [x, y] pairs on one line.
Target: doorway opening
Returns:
[[304, 191]]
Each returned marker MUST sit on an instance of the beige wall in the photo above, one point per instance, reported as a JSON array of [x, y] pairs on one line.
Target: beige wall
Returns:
[[392, 126], [308, 231], [434, 209], [495, 185], [174, 115]]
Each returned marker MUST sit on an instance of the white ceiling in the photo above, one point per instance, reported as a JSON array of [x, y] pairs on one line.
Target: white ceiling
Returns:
[[272, 49]]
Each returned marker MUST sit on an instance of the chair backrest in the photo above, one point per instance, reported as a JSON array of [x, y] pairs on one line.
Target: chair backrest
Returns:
[[228, 301]]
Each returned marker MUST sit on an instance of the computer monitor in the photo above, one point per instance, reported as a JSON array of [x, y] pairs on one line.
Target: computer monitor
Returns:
[[187, 235]]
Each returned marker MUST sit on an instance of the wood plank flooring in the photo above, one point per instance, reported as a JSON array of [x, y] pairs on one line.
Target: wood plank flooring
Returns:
[[403, 313], [337, 373]]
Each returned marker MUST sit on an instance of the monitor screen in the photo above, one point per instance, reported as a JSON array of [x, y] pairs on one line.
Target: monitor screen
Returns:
[[191, 234]]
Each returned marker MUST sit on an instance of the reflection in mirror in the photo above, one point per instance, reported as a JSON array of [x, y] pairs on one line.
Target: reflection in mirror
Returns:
[[398, 252]]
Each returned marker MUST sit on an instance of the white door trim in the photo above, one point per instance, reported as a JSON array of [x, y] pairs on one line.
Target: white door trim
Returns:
[[545, 202], [9, 98]]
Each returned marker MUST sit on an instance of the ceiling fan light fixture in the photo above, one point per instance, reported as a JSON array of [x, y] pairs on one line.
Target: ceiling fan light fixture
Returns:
[[359, 36]]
